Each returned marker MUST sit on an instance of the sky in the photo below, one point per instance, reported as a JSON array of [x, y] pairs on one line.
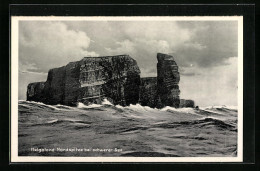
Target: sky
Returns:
[[205, 51]]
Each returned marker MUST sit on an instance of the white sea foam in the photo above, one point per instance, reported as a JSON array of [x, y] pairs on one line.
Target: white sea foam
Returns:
[[136, 107], [119, 107], [140, 108], [212, 117], [106, 102], [53, 121], [183, 110], [82, 106], [66, 107]]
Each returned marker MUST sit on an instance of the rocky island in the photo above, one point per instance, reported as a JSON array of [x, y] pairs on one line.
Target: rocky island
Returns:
[[116, 78]]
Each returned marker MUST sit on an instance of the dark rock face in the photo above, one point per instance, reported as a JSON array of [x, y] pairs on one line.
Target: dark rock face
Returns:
[[168, 79], [35, 91], [116, 78], [187, 103], [90, 80], [55, 86], [148, 92]]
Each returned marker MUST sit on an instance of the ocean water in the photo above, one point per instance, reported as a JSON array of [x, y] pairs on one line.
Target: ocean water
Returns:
[[133, 131]]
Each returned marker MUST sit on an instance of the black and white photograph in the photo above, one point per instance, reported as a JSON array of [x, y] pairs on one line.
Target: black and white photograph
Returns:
[[119, 89]]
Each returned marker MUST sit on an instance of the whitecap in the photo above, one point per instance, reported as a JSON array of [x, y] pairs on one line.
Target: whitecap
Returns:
[[183, 110], [66, 107], [119, 107], [106, 102], [139, 108], [53, 121], [82, 106]]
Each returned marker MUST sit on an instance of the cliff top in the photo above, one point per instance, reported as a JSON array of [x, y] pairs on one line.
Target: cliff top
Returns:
[[162, 56], [97, 57], [124, 55]]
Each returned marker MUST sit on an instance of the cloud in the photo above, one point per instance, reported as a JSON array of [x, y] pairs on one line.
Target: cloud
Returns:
[[201, 43], [45, 45], [211, 86], [124, 47], [210, 44], [25, 67]]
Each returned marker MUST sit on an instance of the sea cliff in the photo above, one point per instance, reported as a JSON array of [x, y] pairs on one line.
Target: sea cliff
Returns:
[[116, 78]]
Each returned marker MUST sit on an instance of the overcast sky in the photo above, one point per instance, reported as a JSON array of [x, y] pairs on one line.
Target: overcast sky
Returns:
[[206, 51]]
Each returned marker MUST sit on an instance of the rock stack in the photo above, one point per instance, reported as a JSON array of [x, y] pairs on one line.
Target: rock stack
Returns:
[[162, 90], [168, 79]]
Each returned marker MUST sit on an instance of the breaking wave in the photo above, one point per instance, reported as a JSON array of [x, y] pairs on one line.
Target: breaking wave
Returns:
[[82, 106]]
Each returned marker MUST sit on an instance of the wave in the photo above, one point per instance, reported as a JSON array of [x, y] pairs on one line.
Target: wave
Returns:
[[52, 121], [64, 107], [63, 121], [182, 110], [138, 130], [139, 108], [148, 154], [82, 106], [206, 122], [134, 110], [38, 104], [106, 102], [25, 106], [221, 108]]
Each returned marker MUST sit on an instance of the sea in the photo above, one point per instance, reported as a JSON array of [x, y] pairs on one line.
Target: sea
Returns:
[[106, 130]]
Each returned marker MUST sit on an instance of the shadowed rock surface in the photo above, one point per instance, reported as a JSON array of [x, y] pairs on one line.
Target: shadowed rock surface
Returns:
[[187, 103], [148, 92]]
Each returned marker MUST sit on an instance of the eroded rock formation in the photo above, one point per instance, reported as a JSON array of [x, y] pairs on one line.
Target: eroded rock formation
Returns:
[[168, 78], [90, 80], [116, 78]]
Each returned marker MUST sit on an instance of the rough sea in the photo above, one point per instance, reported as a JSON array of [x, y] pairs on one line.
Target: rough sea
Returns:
[[133, 131]]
